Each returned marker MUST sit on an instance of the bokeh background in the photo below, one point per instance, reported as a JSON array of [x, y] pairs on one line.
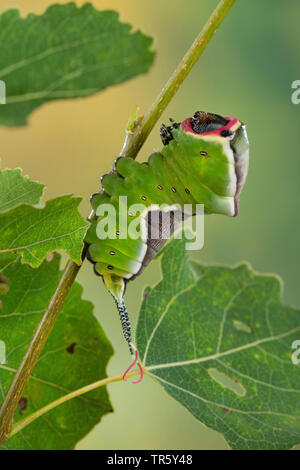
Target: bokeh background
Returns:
[[247, 72]]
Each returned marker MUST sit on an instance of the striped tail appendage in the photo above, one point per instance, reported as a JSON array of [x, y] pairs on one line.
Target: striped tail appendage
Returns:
[[126, 327]]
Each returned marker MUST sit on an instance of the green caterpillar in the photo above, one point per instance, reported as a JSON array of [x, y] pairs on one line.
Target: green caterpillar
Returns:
[[204, 161]]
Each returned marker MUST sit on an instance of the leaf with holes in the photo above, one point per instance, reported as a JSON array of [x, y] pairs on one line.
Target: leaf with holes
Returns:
[[17, 189], [220, 342], [67, 52], [35, 232], [75, 354]]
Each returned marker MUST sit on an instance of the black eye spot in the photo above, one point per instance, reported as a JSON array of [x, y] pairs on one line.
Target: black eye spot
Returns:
[[112, 253], [159, 187], [118, 233], [144, 198], [173, 189], [110, 267], [187, 191], [203, 153]]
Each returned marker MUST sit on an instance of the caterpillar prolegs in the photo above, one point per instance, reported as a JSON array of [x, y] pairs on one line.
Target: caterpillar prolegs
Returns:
[[204, 161]]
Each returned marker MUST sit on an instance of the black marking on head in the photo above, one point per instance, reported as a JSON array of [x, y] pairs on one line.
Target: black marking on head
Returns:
[[159, 187], [143, 198], [206, 122], [173, 189], [112, 253], [203, 153], [187, 191], [117, 233], [110, 267], [22, 405], [226, 133], [71, 349]]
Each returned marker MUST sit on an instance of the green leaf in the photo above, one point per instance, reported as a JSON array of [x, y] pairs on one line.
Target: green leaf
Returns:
[[76, 354], [34, 232], [67, 52], [220, 342], [16, 189]]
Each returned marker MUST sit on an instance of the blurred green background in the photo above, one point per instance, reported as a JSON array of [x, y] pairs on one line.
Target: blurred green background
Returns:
[[246, 72]]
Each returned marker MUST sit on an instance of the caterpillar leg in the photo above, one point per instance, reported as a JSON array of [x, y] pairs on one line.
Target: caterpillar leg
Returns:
[[165, 134], [166, 131]]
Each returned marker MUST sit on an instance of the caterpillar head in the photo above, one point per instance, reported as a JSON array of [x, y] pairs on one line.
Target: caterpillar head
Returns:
[[218, 149]]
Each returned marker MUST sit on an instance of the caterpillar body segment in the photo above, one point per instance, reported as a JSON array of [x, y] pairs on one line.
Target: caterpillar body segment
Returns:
[[204, 161]]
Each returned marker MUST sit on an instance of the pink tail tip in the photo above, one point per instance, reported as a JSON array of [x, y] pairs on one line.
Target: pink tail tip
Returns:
[[131, 366]]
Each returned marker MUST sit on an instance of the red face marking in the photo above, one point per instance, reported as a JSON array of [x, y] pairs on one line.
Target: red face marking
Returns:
[[187, 126]]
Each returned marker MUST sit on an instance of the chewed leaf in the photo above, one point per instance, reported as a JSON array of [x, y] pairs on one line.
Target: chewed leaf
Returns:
[[16, 189], [67, 52], [226, 381], [35, 232], [219, 341], [76, 354]]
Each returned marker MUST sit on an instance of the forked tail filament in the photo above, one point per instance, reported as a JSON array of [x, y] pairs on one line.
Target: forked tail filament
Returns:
[[126, 327], [136, 356]]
